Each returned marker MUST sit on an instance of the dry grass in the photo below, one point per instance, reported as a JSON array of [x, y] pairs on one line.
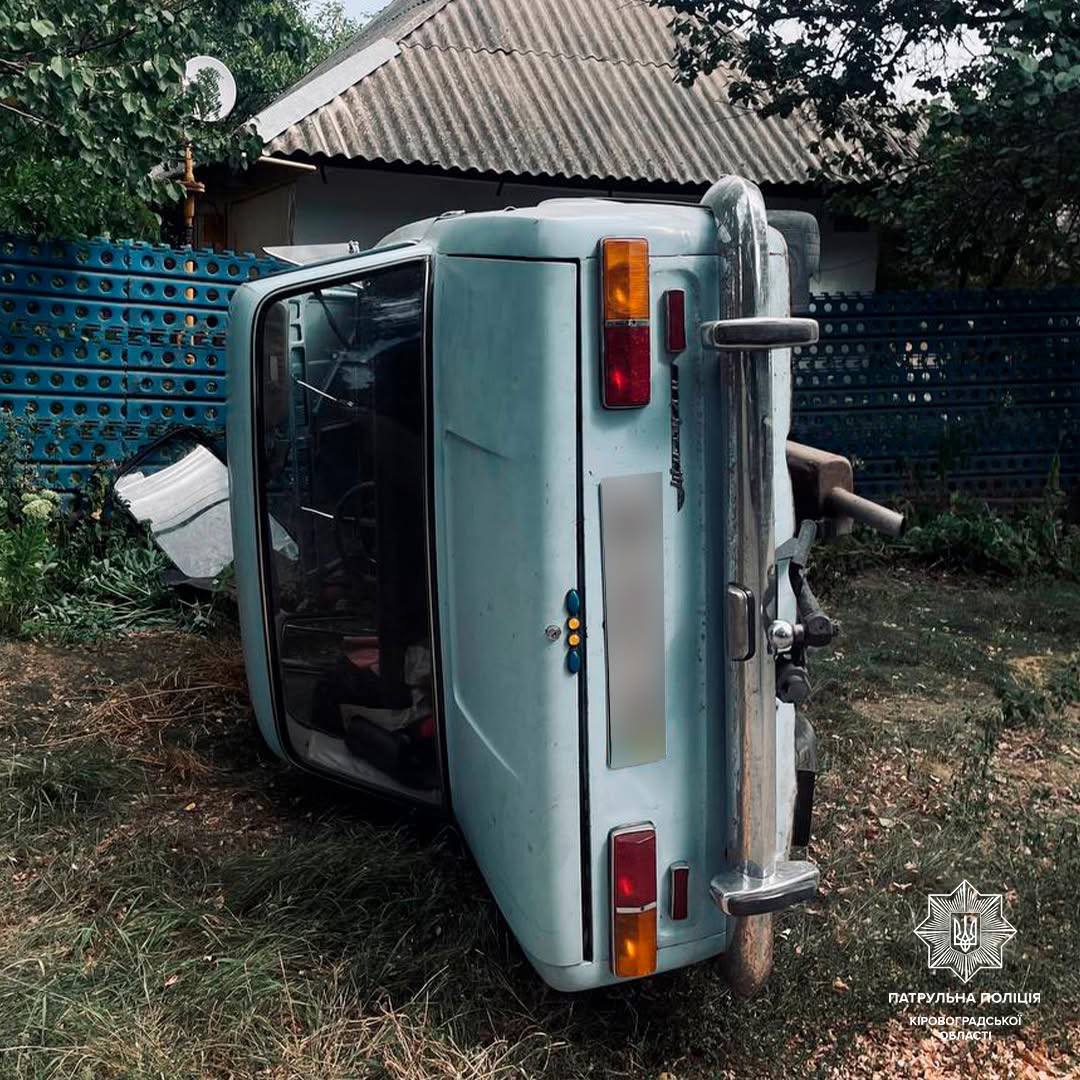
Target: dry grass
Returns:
[[198, 682], [175, 904]]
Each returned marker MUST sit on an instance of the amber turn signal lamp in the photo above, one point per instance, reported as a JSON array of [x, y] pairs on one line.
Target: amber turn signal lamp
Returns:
[[635, 944], [626, 280]]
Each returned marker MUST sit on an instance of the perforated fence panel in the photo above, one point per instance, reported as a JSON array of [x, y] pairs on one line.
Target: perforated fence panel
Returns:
[[931, 392], [105, 346]]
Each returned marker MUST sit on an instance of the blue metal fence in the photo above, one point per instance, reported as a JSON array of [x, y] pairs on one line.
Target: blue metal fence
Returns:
[[933, 392], [105, 346]]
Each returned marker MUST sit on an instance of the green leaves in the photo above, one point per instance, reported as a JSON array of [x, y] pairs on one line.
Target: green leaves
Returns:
[[97, 113], [270, 44], [972, 168], [1067, 80]]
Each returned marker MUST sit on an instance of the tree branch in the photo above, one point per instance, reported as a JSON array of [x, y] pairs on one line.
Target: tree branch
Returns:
[[25, 115]]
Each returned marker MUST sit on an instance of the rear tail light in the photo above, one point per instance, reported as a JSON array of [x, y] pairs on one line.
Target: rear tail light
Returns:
[[627, 345], [633, 901]]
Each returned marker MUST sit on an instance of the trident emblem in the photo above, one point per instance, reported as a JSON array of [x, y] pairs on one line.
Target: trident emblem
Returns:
[[965, 931]]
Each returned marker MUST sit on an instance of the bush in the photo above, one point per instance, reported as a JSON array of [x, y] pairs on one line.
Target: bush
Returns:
[[967, 538], [116, 591], [15, 475], [75, 570], [25, 557]]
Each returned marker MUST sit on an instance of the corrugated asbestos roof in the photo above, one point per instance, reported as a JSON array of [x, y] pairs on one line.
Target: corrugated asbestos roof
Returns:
[[395, 22], [576, 89]]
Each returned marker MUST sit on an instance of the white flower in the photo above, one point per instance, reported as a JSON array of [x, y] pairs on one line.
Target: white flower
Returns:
[[38, 509]]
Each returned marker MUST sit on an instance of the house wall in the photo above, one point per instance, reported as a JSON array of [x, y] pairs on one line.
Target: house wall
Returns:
[[263, 220], [337, 204]]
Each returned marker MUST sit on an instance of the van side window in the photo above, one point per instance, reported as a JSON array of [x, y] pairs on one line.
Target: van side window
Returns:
[[342, 478]]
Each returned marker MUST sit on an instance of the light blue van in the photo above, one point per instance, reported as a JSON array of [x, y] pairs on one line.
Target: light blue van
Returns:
[[515, 538]]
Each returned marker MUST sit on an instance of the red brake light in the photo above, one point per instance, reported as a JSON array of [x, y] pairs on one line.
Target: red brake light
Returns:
[[627, 340], [627, 370]]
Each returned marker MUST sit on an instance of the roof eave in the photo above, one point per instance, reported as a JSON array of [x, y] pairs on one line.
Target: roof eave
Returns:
[[644, 185], [303, 100]]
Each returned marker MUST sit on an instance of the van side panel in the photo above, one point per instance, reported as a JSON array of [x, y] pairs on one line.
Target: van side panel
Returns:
[[505, 493]]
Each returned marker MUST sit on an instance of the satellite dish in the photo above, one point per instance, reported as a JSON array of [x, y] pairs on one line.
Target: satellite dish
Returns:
[[226, 86]]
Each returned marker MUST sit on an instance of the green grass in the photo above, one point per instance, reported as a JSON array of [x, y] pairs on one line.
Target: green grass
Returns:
[[175, 904]]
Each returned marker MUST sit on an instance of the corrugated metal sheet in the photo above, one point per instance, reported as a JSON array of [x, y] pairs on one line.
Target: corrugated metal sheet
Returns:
[[396, 21], [577, 89], [621, 30]]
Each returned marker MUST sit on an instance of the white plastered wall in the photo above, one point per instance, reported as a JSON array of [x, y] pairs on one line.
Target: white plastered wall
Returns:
[[338, 204]]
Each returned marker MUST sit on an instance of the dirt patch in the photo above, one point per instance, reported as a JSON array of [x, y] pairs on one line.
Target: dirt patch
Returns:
[[910, 713], [1042, 768], [171, 703], [903, 772], [1032, 669], [34, 678], [190, 684], [896, 1050], [55, 685]]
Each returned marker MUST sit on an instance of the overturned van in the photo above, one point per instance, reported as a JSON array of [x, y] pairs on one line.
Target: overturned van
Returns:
[[516, 537]]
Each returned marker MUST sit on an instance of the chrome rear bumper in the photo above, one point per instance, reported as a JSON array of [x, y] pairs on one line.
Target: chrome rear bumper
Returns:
[[758, 878], [790, 882]]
